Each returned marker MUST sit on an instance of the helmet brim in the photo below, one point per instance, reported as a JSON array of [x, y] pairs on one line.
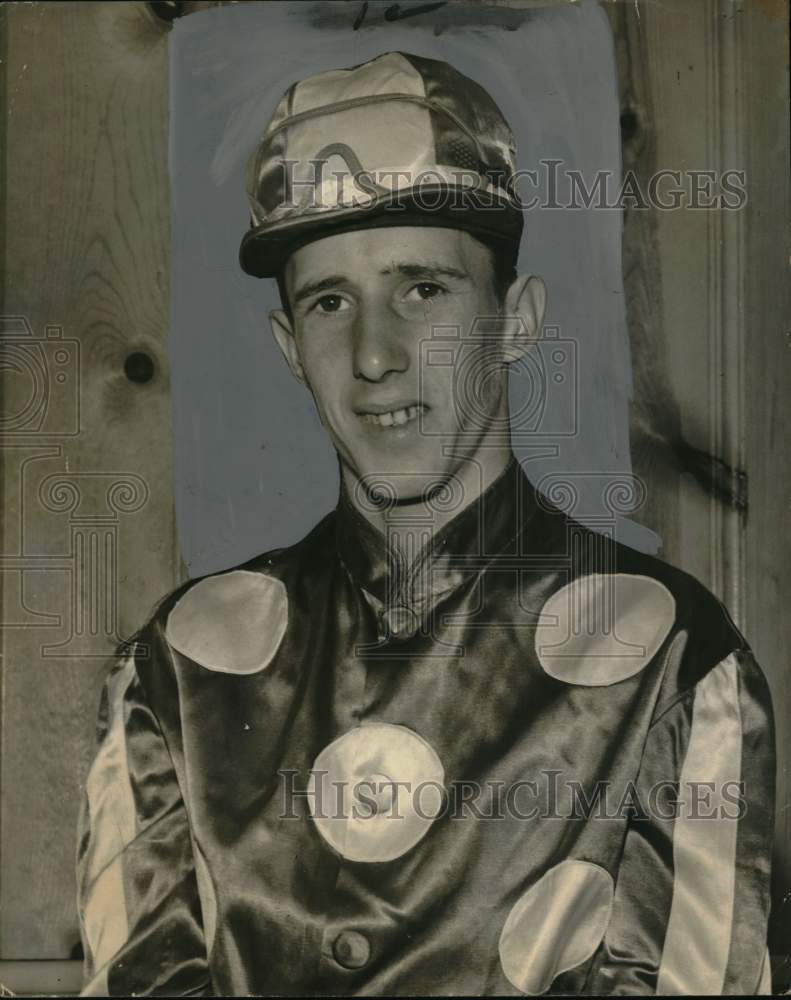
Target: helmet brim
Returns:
[[265, 249]]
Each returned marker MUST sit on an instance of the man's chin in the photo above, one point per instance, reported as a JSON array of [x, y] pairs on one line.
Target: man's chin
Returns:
[[386, 489], [382, 478]]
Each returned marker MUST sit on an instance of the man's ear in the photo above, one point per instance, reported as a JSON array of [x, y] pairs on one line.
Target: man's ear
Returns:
[[525, 305], [284, 335]]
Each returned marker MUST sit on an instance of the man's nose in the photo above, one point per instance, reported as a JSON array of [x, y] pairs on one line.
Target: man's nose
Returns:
[[380, 344]]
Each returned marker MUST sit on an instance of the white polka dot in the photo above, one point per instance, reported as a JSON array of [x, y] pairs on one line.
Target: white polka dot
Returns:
[[375, 791], [602, 628], [556, 925], [233, 623]]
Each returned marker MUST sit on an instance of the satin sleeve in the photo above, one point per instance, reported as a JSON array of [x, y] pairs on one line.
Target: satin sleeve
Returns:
[[138, 901], [691, 903]]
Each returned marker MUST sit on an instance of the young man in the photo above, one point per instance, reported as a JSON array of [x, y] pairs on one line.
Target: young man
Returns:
[[452, 742]]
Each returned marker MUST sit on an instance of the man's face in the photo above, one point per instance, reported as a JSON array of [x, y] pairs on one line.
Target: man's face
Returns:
[[401, 407]]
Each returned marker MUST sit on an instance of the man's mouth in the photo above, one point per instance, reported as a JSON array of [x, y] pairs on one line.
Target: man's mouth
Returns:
[[394, 418]]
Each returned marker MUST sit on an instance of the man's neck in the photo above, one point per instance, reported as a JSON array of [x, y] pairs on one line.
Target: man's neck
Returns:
[[412, 524]]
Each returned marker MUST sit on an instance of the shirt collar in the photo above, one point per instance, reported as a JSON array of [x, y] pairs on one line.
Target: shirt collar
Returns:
[[404, 590]]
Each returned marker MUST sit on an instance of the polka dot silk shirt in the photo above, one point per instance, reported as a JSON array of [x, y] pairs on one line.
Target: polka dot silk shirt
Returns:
[[528, 760]]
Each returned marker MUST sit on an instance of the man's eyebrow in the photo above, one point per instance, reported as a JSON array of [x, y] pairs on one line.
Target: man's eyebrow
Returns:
[[409, 270], [427, 270], [321, 285]]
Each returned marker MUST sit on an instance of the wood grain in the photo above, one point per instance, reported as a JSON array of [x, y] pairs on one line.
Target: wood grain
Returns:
[[87, 249], [767, 407], [710, 326], [654, 413]]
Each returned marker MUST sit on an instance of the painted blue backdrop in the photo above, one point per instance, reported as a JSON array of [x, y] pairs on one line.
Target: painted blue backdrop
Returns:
[[253, 468]]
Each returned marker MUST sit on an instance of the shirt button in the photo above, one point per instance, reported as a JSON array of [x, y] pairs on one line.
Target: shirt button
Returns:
[[351, 949], [401, 622]]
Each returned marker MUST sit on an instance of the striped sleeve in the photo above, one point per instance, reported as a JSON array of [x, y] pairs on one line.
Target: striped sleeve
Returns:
[[692, 895], [137, 891]]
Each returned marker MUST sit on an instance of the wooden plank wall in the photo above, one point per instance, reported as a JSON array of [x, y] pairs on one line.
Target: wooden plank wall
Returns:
[[703, 85], [766, 407], [88, 542]]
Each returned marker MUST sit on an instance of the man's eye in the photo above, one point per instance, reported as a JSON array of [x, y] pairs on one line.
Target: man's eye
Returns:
[[424, 291], [331, 304]]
